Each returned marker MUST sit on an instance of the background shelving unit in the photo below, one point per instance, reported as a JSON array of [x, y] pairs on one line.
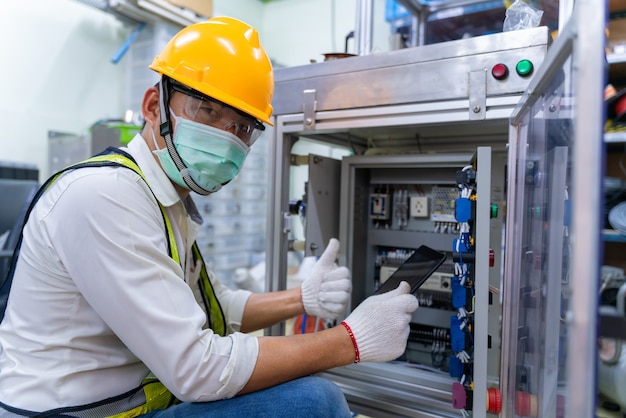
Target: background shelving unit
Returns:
[[615, 141]]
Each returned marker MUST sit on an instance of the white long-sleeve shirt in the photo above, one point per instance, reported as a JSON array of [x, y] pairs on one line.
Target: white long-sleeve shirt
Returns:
[[96, 301]]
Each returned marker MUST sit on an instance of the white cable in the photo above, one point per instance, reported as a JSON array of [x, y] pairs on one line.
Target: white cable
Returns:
[[617, 217]]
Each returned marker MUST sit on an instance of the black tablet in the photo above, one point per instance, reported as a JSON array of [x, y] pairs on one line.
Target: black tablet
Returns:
[[415, 270]]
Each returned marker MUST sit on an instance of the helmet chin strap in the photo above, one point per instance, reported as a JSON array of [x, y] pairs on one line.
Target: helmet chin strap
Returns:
[[165, 129]]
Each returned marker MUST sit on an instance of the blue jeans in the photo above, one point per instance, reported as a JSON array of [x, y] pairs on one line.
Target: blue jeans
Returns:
[[307, 397]]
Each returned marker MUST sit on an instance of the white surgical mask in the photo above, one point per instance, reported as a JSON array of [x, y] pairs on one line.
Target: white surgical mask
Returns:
[[212, 157]]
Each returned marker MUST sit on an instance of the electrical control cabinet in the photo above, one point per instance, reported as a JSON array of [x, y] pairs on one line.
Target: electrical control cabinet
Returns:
[[375, 248], [413, 120], [431, 163]]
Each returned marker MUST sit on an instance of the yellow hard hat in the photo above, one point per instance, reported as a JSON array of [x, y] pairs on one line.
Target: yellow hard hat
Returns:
[[223, 59]]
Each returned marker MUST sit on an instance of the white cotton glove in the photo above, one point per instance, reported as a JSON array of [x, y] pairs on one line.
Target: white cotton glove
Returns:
[[326, 292], [380, 324]]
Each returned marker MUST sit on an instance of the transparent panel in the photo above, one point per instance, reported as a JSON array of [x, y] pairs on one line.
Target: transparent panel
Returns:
[[542, 243], [551, 259]]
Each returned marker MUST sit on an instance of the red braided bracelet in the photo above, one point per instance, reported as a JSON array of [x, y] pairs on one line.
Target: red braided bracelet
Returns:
[[357, 356]]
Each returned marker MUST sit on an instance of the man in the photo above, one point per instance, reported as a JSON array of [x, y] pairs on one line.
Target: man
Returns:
[[111, 310]]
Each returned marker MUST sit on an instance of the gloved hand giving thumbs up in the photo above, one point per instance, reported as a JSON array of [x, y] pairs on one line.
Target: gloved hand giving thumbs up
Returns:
[[326, 292], [379, 326]]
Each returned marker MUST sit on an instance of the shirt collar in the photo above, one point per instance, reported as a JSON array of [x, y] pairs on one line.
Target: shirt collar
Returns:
[[160, 184]]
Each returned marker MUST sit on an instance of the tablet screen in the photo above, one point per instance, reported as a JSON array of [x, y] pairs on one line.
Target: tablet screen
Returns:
[[415, 270]]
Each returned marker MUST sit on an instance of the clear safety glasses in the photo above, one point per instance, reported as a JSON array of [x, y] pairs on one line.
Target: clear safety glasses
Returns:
[[208, 111]]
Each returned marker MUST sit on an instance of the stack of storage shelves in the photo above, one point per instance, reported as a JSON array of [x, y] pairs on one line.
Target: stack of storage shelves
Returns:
[[232, 238], [610, 370], [616, 45], [615, 137], [151, 39]]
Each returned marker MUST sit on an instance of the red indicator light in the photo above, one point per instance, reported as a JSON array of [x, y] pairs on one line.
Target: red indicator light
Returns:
[[494, 401], [499, 71]]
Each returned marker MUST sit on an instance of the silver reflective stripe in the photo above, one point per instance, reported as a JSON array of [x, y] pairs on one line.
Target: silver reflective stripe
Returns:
[[113, 408]]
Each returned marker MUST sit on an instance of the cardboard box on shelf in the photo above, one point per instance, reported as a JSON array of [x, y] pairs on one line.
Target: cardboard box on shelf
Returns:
[[201, 7], [617, 33], [617, 6]]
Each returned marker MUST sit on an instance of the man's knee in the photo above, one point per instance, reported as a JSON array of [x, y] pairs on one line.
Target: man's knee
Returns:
[[322, 398]]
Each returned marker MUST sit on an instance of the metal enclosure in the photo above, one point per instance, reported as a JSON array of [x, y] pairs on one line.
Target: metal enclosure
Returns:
[[426, 113], [322, 197]]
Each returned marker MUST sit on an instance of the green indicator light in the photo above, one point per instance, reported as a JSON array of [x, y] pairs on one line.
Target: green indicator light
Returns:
[[524, 68], [494, 210]]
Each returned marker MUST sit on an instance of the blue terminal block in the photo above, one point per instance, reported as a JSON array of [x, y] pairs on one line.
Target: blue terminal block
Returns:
[[455, 366], [459, 293], [463, 209], [460, 246], [457, 335]]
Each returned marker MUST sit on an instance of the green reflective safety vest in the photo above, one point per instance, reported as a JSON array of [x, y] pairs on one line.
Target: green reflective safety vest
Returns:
[[157, 396]]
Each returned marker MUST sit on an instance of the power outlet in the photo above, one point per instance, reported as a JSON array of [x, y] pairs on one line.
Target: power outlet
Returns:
[[419, 206]]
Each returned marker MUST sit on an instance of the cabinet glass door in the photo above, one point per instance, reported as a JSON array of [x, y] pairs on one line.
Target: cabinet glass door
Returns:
[[552, 250]]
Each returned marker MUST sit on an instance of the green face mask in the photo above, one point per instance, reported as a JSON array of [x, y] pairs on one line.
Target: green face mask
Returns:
[[212, 157]]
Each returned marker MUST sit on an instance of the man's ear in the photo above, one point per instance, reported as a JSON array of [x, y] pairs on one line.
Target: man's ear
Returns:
[[150, 107]]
